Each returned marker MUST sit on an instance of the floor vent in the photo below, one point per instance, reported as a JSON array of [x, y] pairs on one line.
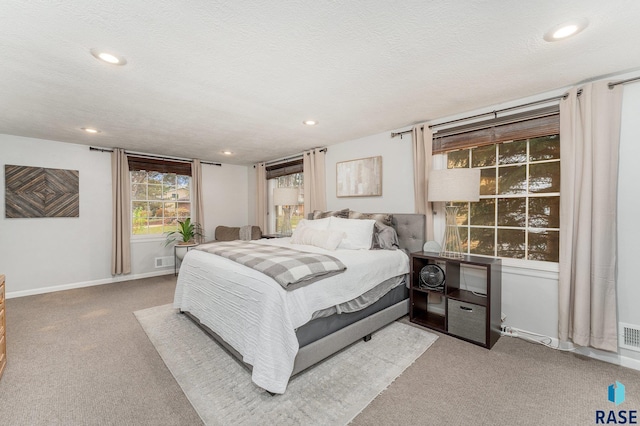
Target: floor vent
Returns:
[[162, 262], [629, 336]]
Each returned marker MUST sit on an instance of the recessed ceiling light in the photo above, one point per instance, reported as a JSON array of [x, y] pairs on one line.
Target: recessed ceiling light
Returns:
[[565, 30], [310, 122], [90, 130], [108, 57], [227, 152]]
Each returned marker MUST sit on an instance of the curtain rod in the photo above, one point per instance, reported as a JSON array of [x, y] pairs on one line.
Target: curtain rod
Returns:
[[142, 154], [495, 112], [284, 159], [629, 80]]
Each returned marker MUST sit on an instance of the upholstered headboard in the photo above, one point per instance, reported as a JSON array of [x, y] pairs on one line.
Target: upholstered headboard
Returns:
[[410, 228]]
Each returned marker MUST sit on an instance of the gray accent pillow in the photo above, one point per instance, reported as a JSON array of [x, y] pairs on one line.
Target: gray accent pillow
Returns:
[[384, 237], [318, 214], [385, 218]]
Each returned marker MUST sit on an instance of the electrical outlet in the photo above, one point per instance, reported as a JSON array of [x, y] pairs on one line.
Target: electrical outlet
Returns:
[[505, 330]]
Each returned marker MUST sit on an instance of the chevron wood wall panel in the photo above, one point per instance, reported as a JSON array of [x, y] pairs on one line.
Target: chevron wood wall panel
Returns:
[[41, 192]]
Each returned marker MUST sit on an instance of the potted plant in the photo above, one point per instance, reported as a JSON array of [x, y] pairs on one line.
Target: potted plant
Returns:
[[187, 233]]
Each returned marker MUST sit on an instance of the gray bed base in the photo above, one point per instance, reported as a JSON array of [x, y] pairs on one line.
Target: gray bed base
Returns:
[[317, 351], [411, 232]]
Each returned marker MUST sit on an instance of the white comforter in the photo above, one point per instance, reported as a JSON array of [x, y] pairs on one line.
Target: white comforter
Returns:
[[258, 317]]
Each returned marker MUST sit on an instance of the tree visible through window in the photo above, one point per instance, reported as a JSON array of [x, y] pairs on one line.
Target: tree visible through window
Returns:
[[518, 215], [158, 201]]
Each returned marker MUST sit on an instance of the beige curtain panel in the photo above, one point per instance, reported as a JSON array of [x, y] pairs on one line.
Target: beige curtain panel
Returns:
[[196, 197], [422, 139], [121, 223], [261, 197], [315, 186], [590, 136]]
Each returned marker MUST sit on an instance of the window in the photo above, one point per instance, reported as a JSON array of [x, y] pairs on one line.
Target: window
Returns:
[[518, 215], [160, 195], [287, 174], [519, 209], [295, 180]]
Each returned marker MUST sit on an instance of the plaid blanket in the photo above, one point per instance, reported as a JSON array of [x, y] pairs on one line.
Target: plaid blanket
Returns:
[[289, 268]]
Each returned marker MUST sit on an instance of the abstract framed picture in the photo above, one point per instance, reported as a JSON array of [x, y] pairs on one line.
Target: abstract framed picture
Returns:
[[32, 192], [359, 178]]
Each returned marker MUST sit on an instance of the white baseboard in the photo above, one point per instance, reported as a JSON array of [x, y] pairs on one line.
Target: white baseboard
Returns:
[[613, 358], [116, 279], [610, 357]]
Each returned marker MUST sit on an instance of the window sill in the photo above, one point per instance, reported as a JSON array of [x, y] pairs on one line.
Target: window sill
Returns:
[[531, 268], [141, 239]]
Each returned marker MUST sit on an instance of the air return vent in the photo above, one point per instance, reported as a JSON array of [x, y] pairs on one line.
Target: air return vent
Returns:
[[629, 336], [161, 262]]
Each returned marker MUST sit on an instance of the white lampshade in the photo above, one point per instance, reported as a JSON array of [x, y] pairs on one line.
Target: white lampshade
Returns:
[[285, 196], [454, 185]]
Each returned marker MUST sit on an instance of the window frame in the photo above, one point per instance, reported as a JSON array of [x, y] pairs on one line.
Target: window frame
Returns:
[[148, 165], [526, 196], [274, 171], [527, 125]]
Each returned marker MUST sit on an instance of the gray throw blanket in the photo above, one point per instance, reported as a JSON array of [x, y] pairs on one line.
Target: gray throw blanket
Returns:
[[289, 268]]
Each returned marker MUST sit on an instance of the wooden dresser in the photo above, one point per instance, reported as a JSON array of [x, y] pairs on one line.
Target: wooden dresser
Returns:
[[3, 328]]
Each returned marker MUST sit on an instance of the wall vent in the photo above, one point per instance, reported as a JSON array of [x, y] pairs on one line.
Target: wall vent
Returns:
[[629, 336], [162, 262]]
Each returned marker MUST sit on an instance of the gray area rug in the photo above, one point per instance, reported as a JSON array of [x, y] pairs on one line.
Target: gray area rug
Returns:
[[330, 393]]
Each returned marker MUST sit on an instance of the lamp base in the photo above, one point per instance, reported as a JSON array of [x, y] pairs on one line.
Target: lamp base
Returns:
[[286, 222], [451, 244]]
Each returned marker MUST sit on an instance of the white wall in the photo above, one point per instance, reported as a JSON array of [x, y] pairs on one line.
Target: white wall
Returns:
[[43, 252], [628, 208], [397, 173], [48, 254], [226, 196], [251, 211]]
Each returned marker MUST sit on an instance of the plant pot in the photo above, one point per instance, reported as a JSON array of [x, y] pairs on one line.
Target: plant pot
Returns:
[[182, 248]]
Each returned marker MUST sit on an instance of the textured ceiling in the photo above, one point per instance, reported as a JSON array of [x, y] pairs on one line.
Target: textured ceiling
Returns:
[[203, 76]]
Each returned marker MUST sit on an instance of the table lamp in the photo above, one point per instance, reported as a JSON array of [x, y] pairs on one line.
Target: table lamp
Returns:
[[453, 185], [285, 197]]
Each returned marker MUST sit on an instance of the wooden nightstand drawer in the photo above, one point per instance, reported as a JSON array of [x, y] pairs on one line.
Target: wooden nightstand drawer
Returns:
[[3, 340], [467, 320]]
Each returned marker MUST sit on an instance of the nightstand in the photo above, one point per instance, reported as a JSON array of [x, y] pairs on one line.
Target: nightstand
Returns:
[[269, 236], [176, 256]]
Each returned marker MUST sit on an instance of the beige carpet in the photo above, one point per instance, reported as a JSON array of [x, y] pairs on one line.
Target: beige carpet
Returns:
[[80, 357], [331, 393]]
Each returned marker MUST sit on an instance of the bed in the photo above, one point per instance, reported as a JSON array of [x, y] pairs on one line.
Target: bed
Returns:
[[279, 332]]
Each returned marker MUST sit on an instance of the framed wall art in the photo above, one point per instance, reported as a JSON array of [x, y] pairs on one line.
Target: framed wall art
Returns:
[[39, 192], [359, 178]]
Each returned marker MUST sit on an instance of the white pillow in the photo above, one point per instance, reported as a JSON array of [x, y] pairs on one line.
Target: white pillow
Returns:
[[358, 232], [315, 224], [323, 238]]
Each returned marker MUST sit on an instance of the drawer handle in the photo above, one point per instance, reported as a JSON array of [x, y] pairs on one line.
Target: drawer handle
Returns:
[[464, 308]]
